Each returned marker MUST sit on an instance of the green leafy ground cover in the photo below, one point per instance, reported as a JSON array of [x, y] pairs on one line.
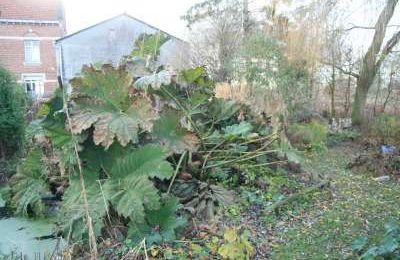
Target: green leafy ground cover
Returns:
[[356, 206]]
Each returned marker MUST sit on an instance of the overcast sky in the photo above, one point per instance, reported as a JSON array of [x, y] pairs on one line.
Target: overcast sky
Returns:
[[165, 14]]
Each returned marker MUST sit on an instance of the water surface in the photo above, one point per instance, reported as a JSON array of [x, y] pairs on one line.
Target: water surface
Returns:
[[19, 235]]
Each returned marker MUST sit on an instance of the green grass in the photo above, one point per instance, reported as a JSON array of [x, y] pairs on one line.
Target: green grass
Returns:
[[356, 206]]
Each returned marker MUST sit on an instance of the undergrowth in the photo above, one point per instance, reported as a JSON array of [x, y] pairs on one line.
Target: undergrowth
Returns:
[[131, 161], [356, 206]]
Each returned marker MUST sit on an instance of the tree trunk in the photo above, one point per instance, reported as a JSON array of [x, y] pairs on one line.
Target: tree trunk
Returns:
[[360, 98], [377, 92], [348, 95], [246, 17], [370, 66], [333, 91]]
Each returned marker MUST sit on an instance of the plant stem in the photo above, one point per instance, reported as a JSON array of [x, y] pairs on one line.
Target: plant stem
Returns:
[[246, 157], [176, 171], [89, 223], [209, 154], [240, 159]]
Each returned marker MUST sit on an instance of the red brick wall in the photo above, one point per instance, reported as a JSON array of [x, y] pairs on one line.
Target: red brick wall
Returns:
[[22, 30], [12, 37], [31, 9]]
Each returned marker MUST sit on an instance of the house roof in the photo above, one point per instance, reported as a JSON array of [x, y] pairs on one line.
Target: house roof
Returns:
[[115, 17]]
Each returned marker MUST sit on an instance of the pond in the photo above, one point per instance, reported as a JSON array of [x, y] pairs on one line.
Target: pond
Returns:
[[19, 237]]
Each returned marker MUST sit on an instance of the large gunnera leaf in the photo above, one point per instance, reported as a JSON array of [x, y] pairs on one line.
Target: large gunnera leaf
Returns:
[[160, 225], [102, 100], [73, 216], [222, 110], [155, 80], [168, 131], [129, 188], [129, 197], [28, 185], [242, 129]]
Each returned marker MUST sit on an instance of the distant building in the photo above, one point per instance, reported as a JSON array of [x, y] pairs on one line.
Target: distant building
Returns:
[[109, 41], [28, 30]]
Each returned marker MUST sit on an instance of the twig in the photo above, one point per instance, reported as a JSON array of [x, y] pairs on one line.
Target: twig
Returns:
[[232, 157], [265, 164], [195, 225], [368, 27], [246, 157], [105, 201], [191, 241], [145, 249], [56, 248], [176, 171], [260, 139], [210, 152], [239, 159], [350, 73]]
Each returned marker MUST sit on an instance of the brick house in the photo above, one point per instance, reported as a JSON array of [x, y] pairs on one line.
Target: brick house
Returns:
[[28, 30]]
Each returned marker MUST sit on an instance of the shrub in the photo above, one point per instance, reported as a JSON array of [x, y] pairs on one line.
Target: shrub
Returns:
[[262, 63], [335, 138], [7, 169], [386, 128], [12, 121], [308, 136]]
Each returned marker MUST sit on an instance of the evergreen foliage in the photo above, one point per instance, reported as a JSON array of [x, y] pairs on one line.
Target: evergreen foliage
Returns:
[[12, 115]]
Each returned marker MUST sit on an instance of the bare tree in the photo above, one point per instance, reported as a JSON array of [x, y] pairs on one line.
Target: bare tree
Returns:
[[217, 30], [371, 62], [390, 89], [350, 65]]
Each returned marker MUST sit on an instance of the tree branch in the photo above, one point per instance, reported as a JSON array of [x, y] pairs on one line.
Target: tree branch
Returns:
[[353, 74], [368, 27], [389, 47]]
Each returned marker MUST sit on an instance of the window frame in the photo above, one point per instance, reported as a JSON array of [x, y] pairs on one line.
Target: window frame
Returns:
[[39, 80], [32, 44]]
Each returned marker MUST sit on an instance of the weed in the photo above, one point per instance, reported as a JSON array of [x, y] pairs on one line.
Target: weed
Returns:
[[235, 246], [335, 138], [310, 136], [386, 129]]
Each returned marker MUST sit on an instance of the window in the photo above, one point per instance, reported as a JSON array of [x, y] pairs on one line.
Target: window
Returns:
[[32, 51], [33, 85]]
